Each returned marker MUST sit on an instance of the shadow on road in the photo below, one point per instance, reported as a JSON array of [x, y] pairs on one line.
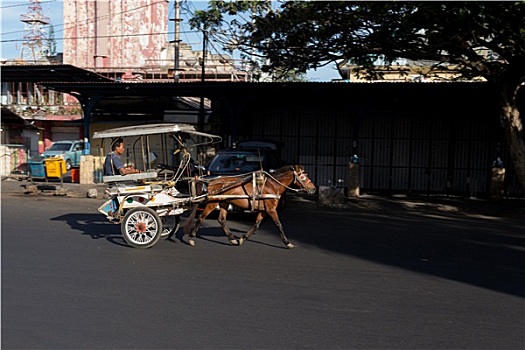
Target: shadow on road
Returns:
[[479, 243]]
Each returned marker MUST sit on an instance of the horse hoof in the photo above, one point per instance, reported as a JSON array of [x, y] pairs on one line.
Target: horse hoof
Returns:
[[234, 242], [241, 241], [290, 246], [191, 242]]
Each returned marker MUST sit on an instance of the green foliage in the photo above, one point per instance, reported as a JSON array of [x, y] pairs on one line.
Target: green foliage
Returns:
[[473, 39], [229, 23], [52, 41], [479, 39]]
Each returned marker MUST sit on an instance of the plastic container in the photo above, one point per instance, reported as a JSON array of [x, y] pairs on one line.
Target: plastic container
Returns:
[[55, 167], [36, 167]]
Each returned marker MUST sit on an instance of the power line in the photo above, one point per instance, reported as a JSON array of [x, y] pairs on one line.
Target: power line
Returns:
[[74, 24], [105, 36], [187, 10], [88, 21], [20, 5]]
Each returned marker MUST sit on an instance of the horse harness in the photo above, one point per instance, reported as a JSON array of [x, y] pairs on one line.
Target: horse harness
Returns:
[[258, 181], [300, 177]]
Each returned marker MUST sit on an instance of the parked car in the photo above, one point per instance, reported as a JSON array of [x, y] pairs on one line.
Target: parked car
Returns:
[[246, 157], [70, 151]]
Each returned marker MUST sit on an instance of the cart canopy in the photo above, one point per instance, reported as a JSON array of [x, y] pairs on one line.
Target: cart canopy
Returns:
[[151, 129]]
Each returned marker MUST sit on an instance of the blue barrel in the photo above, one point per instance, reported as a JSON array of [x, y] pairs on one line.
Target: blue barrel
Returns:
[[36, 167]]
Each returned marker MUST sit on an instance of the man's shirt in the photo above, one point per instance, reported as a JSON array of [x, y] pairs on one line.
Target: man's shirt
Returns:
[[112, 164]]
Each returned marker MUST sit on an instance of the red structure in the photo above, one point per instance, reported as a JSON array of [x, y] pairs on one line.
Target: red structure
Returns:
[[115, 34]]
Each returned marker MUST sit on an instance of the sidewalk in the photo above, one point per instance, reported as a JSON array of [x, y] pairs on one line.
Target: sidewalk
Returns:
[[421, 205], [52, 187], [366, 203]]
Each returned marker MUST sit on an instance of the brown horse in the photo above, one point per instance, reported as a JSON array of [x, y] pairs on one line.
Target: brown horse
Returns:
[[258, 191]]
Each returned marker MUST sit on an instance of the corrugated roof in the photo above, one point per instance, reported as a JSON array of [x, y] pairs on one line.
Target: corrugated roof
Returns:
[[48, 72], [9, 117]]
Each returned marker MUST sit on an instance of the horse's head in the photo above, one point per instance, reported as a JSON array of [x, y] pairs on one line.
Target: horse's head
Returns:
[[302, 180]]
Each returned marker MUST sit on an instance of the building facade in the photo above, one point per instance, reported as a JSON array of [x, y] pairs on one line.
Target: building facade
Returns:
[[115, 33]]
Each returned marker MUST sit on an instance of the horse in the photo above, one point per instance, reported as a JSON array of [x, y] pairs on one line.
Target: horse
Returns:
[[258, 191]]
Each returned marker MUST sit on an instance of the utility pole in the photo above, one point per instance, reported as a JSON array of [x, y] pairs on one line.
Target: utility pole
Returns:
[[204, 44], [203, 72], [176, 43]]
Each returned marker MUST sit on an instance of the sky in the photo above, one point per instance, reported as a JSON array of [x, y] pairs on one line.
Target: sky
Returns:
[[12, 33]]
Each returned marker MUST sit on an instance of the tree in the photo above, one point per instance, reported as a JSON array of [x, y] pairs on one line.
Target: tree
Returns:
[[52, 43], [473, 39], [228, 23]]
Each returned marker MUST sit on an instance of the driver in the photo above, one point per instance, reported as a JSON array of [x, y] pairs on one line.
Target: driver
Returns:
[[113, 164]]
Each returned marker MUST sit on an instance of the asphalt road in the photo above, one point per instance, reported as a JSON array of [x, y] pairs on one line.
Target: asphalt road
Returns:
[[373, 276]]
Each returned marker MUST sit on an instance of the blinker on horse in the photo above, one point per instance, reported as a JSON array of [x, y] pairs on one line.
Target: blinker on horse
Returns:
[[258, 191]]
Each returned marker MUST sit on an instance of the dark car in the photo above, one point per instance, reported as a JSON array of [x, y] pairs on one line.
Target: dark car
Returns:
[[247, 157]]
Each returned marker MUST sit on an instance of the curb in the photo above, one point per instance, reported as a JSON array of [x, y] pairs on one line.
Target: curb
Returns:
[[74, 190]]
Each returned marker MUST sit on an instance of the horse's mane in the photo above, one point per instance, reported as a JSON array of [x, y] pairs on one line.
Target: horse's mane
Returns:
[[282, 170]]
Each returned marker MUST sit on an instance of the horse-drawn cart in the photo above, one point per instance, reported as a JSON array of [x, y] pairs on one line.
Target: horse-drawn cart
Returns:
[[148, 205]]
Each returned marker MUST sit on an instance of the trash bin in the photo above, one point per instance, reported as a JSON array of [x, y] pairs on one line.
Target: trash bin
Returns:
[[55, 167], [36, 167]]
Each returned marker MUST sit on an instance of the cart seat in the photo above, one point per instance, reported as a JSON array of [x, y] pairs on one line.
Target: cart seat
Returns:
[[131, 187], [129, 177], [126, 184]]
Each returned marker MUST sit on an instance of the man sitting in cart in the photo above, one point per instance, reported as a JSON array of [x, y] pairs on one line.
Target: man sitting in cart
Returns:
[[113, 164]]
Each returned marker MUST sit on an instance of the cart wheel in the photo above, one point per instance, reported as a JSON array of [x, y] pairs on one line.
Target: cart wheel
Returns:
[[170, 226], [141, 227]]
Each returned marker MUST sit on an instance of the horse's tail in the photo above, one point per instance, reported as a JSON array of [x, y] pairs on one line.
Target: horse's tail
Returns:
[[188, 225]]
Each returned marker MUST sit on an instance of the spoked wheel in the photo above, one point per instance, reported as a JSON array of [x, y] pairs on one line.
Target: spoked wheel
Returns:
[[141, 227], [170, 226]]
